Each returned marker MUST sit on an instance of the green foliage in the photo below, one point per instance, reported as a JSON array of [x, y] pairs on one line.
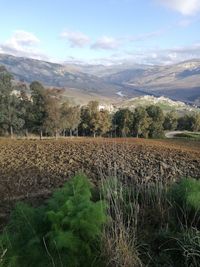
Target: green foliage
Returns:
[[156, 115], [186, 194], [64, 232], [70, 117], [10, 110], [189, 135], [141, 122], [190, 122], [123, 122], [38, 96], [171, 121]]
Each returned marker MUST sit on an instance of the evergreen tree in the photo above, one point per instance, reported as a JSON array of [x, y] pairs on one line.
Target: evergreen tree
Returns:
[[65, 232]]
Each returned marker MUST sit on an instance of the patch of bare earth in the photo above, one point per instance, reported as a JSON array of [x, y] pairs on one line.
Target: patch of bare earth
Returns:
[[32, 169]]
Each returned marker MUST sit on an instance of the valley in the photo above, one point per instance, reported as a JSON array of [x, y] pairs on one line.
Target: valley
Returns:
[[81, 83]]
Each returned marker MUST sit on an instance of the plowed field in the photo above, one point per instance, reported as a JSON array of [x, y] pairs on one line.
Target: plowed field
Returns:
[[30, 169]]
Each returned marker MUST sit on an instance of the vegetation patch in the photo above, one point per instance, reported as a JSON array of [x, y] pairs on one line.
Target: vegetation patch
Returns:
[[195, 136], [119, 224]]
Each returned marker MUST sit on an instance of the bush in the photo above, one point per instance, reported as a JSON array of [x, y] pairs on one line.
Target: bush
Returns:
[[64, 232], [185, 198]]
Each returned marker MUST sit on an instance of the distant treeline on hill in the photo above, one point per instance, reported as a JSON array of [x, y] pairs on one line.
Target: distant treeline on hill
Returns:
[[43, 112]]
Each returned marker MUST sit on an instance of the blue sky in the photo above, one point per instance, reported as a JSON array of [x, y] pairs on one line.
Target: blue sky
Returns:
[[101, 31]]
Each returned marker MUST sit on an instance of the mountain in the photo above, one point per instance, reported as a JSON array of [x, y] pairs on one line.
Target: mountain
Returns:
[[75, 82], [179, 81], [111, 83]]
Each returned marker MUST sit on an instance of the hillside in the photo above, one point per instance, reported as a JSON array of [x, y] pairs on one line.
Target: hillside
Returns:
[[111, 83], [179, 81], [166, 104], [57, 75]]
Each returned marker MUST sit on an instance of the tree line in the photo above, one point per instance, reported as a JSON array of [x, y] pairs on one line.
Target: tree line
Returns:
[[35, 109]]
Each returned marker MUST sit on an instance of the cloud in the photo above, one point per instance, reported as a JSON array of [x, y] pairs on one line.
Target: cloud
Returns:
[[165, 56], [106, 43], [146, 36], [23, 38], [185, 7], [23, 44], [76, 39]]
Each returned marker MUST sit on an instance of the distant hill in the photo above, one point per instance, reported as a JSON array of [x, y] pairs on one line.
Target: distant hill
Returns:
[[179, 81], [57, 75], [164, 103], [112, 83]]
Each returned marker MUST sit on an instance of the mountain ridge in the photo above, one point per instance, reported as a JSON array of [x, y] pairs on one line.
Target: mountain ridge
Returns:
[[180, 81]]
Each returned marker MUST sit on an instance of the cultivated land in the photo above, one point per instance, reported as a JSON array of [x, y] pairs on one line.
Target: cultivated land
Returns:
[[31, 169]]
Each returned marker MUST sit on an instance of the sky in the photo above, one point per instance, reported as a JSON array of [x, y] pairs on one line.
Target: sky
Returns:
[[101, 31]]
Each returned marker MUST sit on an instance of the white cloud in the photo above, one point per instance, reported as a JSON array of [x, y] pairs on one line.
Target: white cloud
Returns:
[[106, 43], [23, 38], [76, 39], [146, 36], [164, 56], [185, 7], [24, 44]]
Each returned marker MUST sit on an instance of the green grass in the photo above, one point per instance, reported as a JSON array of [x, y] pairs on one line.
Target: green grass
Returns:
[[121, 223], [194, 136]]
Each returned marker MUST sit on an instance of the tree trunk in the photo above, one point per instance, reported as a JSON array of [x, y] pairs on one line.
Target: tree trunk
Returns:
[[41, 135], [70, 132], [11, 132], [56, 134], [26, 133], [94, 134]]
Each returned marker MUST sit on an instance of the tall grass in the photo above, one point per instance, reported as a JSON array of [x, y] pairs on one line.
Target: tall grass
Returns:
[[120, 245], [148, 225]]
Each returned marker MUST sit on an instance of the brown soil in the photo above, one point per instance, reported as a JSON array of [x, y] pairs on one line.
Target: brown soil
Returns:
[[33, 168]]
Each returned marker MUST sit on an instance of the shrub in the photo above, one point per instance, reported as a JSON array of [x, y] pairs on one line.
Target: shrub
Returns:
[[185, 198], [64, 232]]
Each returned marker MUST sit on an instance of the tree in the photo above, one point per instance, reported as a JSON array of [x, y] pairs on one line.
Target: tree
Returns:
[[104, 122], [195, 122], [90, 119], [10, 111], [94, 117], [141, 122], [38, 96], [156, 115], [14, 114], [170, 121], [184, 122], [123, 121], [70, 117], [66, 231], [27, 108], [52, 121]]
